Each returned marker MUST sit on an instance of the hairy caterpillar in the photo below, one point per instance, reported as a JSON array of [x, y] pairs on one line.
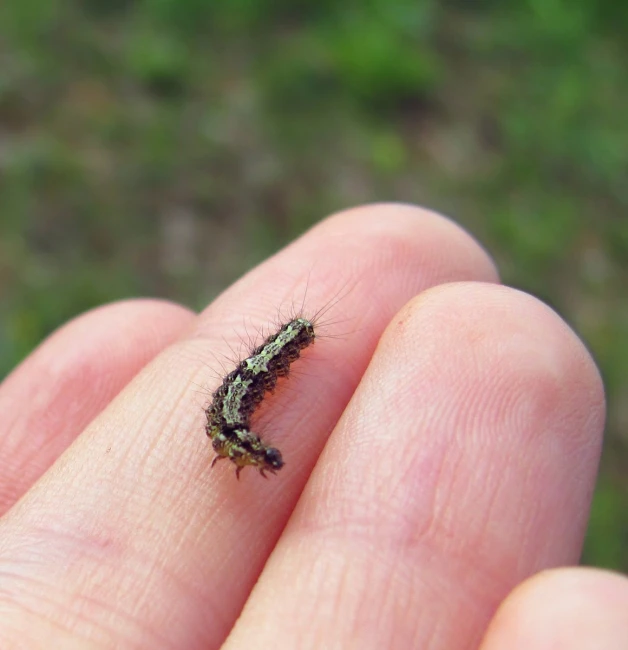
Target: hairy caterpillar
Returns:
[[243, 389]]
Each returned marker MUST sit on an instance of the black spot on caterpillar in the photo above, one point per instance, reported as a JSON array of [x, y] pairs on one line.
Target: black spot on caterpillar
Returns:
[[242, 391]]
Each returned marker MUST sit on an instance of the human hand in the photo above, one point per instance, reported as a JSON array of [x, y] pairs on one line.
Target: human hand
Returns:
[[437, 455]]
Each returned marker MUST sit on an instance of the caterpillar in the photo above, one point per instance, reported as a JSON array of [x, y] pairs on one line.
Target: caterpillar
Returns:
[[243, 389]]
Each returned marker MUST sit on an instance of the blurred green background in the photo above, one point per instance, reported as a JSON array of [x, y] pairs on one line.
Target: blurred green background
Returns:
[[163, 147]]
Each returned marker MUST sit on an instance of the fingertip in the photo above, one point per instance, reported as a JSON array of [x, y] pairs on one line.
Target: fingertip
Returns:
[[521, 342], [105, 346], [575, 608], [449, 251], [71, 376]]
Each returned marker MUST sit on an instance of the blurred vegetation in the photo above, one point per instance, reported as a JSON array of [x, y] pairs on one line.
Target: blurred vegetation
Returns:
[[163, 147]]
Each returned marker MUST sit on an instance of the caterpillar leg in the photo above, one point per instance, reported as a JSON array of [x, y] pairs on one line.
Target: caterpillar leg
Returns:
[[217, 458]]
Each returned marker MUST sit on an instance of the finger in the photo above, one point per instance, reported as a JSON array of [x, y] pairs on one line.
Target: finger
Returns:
[[464, 463], [564, 609], [52, 396], [131, 539]]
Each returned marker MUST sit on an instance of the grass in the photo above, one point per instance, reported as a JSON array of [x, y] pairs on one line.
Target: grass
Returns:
[[162, 147]]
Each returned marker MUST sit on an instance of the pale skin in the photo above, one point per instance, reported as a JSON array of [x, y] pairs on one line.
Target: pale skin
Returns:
[[440, 457]]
